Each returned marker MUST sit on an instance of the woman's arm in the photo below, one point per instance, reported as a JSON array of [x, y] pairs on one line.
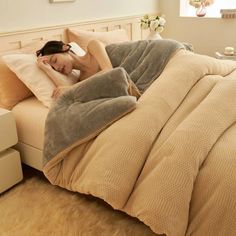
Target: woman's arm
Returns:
[[57, 78], [97, 50]]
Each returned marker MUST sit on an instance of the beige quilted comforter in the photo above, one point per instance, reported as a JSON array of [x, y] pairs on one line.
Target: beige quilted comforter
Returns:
[[172, 161]]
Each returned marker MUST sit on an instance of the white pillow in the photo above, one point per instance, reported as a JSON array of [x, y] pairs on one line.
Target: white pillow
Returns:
[[80, 52], [77, 49], [26, 68]]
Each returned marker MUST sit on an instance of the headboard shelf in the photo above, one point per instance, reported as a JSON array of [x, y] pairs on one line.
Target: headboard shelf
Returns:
[[18, 39]]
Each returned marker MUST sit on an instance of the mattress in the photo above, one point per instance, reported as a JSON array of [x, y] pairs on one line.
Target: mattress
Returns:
[[30, 116]]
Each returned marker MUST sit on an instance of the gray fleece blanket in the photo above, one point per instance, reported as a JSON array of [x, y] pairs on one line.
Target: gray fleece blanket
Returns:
[[143, 60], [81, 113]]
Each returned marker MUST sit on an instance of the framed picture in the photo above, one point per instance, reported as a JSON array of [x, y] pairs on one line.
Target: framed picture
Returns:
[[52, 1]]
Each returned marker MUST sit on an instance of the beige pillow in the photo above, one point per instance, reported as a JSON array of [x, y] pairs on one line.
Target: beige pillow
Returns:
[[82, 37], [26, 68], [12, 90]]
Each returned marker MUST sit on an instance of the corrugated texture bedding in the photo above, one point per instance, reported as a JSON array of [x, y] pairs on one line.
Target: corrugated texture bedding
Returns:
[[171, 161]]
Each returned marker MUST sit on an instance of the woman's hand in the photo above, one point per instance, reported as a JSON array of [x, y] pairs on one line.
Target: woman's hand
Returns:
[[59, 91], [43, 63], [56, 77]]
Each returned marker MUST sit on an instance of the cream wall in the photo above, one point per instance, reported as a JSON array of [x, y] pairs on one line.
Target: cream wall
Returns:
[[26, 14], [206, 34]]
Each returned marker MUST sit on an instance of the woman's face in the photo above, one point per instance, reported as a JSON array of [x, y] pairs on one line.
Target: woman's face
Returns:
[[61, 62]]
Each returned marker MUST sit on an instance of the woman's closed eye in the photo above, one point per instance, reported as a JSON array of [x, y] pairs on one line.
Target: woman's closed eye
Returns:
[[53, 61]]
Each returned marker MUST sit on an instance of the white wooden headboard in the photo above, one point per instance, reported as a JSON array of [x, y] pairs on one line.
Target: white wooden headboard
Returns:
[[18, 39]]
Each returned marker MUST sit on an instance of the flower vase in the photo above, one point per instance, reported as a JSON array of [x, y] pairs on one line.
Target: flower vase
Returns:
[[201, 10], [153, 35]]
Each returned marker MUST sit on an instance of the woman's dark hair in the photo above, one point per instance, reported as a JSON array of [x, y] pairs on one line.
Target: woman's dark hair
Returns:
[[52, 47]]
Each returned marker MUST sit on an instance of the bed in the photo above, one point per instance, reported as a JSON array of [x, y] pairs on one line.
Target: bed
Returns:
[[167, 159], [30, 40]]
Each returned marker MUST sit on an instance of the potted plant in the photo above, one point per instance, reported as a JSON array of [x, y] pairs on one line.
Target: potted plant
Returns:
[[155, 24], [200, 6]]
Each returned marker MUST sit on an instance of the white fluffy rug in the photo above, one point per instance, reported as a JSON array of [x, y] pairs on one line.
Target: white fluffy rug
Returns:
[[36, 208]]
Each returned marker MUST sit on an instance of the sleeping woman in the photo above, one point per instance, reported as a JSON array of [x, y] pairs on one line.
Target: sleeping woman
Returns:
[[58, 61]]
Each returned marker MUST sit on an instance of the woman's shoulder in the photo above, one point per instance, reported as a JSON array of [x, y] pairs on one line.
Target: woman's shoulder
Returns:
[[94, 44]]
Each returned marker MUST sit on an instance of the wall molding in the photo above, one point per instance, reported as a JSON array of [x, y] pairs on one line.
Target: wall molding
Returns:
[[80, 23], [14, 40]]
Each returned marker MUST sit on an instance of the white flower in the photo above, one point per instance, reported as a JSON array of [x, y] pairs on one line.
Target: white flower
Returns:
[[195, 3], [198, 3], [154, 23], [144, 25], [160, 29], [162, 21], [146, 17]]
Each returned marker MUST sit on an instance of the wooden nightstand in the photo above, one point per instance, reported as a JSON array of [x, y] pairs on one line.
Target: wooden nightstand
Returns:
[[10, 163]]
